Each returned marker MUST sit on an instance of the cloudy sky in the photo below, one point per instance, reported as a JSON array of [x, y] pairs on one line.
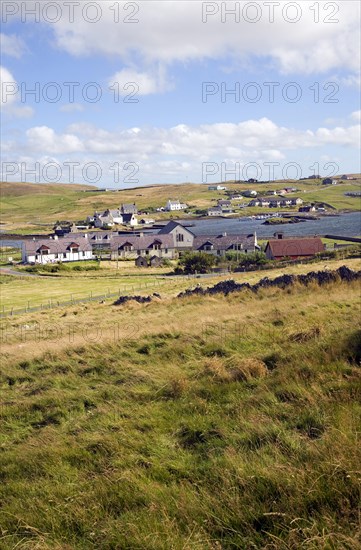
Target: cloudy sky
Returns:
[[121, 94]]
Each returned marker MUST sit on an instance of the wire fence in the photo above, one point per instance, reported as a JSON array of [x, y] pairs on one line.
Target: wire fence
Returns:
[[73, 299]]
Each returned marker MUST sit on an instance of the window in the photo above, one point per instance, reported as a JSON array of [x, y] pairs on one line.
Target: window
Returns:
[[208, 247], [179, 238], [138, 252], [64, 254], [156, 246], [166, 251], [83, 254], [127, 248]]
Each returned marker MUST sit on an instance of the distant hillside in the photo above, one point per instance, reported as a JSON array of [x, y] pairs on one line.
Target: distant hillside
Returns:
[[28, 204], [11, 189]]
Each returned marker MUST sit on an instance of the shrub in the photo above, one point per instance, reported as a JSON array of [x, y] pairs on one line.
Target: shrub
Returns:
[[197, 262]]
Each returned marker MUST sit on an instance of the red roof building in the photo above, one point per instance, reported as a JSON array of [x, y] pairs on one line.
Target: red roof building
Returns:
[[277, 249]]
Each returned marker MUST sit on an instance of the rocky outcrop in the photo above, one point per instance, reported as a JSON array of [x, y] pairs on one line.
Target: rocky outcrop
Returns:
[[125, 299], [319, 277]]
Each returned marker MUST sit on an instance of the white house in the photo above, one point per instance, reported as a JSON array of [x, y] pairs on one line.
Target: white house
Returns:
[[217, 188], [130, 219], [171, 206], [215, 211], [249, 193], [108, 218], [45, 251]]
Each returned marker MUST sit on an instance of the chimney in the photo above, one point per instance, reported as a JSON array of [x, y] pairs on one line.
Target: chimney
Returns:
[[279, 235], [224, 234]]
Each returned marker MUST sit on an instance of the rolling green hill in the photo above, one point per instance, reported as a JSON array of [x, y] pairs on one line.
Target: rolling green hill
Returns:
[[27, 206]]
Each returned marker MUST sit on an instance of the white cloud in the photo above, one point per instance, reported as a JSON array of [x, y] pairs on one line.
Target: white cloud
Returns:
[[130, 81], [184, 143], [8, 96], [173, 31], [7, 88], [71, 108], [12, 45], [356, 115], [45, 140]]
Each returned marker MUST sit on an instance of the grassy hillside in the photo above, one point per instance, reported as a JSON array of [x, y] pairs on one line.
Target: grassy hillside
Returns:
[[238, 430], [21, 292], [28, 205]]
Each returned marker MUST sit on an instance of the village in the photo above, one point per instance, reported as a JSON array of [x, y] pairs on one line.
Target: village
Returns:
[[168, 243], [128, 233]]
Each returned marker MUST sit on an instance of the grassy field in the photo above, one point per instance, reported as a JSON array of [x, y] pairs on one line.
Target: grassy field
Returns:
[[25, 292], [97, 321], [36, 207], [19, 292], [200, 423]]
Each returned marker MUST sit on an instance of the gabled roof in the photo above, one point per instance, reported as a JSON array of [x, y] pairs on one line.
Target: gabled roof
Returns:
[[128, 217], [295, 247], [127, 243], [141, 242], [55, 246], [172, 225], [224, 242]]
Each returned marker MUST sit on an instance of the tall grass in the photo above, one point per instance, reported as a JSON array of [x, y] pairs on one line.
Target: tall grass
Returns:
[[181, 439]]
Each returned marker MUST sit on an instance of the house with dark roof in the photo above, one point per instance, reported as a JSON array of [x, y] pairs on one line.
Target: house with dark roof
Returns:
[[182, 236], [215, 211], [108, 218], [141, 261], [130, 219], [249, 193], [133, 246], [225, 205], [156, 261], [309, 208], [294, 248], [220, 244], [45, 251], [129, 209]]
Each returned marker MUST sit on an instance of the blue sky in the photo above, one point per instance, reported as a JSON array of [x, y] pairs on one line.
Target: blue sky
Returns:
[[172, 133]]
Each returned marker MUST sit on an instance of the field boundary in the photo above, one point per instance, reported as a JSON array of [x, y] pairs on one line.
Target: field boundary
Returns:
[[52, 304]]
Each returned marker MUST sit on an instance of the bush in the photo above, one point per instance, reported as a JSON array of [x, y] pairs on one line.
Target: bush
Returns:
[[197, 262], [253, 258]]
